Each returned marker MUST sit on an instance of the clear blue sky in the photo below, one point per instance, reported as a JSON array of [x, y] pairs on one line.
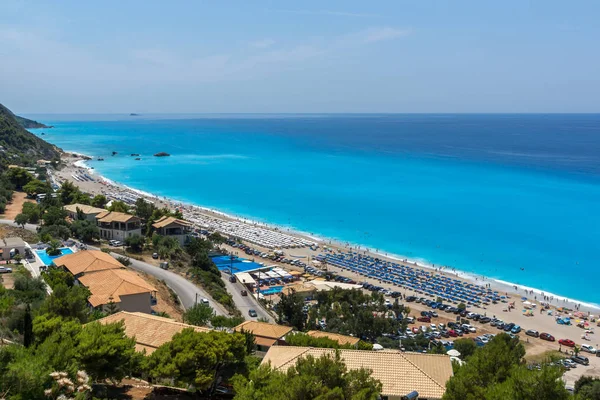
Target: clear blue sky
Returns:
[[301, 56]]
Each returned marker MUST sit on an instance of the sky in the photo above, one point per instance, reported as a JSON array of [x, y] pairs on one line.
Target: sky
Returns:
[[395, 56]]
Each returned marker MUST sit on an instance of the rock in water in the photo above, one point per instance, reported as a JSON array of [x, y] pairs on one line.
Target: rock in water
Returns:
[[162, 154]]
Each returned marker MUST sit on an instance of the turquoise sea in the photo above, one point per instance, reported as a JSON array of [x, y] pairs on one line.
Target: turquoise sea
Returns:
[[513, 197]]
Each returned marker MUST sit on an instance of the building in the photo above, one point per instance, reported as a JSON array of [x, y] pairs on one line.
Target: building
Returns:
[[400, 373], [305, 290], [265, 334], [87, 261], [10, 247], [174, 228], [126, 289], [117, 225], [88, 211], [341, 339], [149, 331]]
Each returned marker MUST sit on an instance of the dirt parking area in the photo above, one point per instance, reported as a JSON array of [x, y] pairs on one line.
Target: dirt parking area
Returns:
[[16, 205]]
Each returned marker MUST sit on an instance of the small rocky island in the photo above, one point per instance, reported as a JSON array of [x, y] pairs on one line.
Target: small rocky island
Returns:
[[162, 154]]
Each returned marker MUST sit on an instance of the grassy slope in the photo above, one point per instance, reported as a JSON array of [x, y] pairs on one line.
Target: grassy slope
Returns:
[[20, 146]]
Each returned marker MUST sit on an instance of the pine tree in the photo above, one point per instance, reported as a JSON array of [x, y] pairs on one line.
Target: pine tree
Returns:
[[27, 327]]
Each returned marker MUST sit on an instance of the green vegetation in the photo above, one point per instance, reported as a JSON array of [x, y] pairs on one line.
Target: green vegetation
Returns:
[[221, 321], [311, 378], [29, 123], [304, 340], [496, 371], [199, 314], [349, 312], [20, 146], [206, 273], [587, 388]]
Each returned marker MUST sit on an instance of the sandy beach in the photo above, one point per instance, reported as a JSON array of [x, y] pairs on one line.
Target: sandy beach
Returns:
[[543, 322]]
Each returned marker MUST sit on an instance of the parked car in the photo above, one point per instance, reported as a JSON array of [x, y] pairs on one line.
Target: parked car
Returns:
[[588, 348], [410, 299], [424, 319], [244, 293], [532, 332], [547, 336], [5, 270], [484, 320], [252, 313], [516, 329], [581, 360], [567, 342]]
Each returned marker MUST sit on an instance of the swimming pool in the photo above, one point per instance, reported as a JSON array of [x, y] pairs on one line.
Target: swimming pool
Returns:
[[224, 263], [47, 260], [272, 290]]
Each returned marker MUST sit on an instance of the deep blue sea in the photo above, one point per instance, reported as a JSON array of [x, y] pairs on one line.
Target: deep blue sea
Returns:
[[513, 197]]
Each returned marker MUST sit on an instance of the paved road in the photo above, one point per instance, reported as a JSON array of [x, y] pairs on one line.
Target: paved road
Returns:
[[245, 303], [185, 289]]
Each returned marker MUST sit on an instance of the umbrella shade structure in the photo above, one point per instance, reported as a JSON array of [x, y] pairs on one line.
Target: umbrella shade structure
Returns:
[[453, 353], [377, 346]]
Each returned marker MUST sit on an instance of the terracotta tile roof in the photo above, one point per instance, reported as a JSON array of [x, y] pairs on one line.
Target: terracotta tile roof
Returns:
[[341, 339], [114, 283], [84, 208], [87, 261], [150, 331], [114, 216], [298, 288], [263, 329], [263, 341], [400, 373], [166, 221]]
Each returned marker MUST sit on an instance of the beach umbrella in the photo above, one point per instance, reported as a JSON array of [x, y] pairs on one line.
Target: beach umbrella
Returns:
[[453, 353], [377, 346]]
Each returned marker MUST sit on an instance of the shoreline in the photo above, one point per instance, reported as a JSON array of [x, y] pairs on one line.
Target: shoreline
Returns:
[[498, 284]]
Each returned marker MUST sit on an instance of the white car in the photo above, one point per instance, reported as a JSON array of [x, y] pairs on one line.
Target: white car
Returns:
[[433, 327], [469, 328], [4, 270], [589, 348]]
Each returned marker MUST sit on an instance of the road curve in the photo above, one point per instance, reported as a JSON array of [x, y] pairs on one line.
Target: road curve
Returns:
[[186, 290]]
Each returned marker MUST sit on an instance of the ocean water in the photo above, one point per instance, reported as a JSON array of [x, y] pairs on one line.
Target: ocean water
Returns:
[[512, 197]]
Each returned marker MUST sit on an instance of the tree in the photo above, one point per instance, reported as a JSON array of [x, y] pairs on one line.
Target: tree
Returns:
[[135, 242], [47, 233], [111, 306], [466, 347], [27, 327], [35, 187], [68, 302], [290, 310], [119, 206], [196, 358], [69, 193], [99, 201], [198, 314], [21, 220], [525, 384], [105, 352], [311, 378], [488, 366], [216, 238], [85, 231], [221, 321], [53, 248], [33, 212], [55, 216], [144, 209], [19, 177]]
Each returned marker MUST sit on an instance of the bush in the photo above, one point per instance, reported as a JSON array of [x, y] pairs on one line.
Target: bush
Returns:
[[124, 260]]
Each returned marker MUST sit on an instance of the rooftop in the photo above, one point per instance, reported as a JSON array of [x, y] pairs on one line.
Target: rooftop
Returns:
[[114, 283], [87, 261], [263, 329], [341, 339], [400, 373], [114, 216], [12, 242], [150, 331], [166, 221], [84, 208]]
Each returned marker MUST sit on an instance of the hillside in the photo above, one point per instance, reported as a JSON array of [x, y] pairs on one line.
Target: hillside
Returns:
[[20, 146], [29, 123]]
